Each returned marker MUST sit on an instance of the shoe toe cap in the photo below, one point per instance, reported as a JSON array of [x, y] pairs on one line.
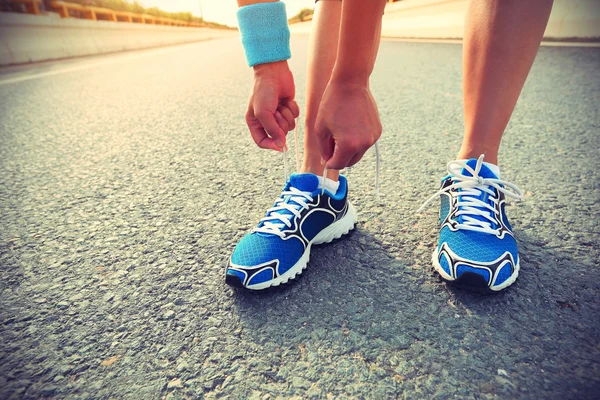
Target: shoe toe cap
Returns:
[[477, 259], [235, 278], [477, 248], [258, 259], [255, 249]]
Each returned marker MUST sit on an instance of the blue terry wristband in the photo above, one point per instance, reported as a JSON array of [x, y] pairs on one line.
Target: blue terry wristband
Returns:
[[265, 32]]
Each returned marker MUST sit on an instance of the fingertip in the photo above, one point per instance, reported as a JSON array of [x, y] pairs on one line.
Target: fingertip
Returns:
[[339, 160], [294, 108], [333, 166], [331, 163]]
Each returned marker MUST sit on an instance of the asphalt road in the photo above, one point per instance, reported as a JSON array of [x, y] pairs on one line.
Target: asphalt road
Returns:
[[126, 181]]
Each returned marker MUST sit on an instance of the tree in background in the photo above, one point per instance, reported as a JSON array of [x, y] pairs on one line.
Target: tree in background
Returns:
[[305, 12], [301, 16]]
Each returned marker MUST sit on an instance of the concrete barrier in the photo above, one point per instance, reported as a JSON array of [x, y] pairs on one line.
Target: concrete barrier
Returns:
[[574, 19], [444, 19], [29, 38]]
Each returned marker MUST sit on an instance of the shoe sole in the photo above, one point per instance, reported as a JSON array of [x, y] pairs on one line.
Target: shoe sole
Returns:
[[472, 281], [327, 235]]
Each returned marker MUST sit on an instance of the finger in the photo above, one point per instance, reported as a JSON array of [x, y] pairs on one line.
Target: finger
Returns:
[[263, 140], [271, 127], [324, 139], [282, 122], [357, 157], [340, 159], [326, 143], [258, 133], [289, 117], [293, 106]]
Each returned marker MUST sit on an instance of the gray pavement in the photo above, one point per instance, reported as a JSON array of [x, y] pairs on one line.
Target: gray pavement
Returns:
[[126, 181]]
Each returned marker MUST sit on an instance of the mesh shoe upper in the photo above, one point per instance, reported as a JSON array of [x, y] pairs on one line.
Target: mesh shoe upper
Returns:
[[475, 235], [281, 238], [256, 249]]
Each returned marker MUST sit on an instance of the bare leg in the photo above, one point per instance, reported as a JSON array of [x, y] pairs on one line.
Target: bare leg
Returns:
[[322, 52], [501, 40]]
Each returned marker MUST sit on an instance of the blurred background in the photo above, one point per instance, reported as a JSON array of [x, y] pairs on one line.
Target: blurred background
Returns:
[[37, 30], [128, 175]]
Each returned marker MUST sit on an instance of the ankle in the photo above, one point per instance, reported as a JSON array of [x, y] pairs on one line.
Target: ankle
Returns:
[[317, 169], [490, 156]]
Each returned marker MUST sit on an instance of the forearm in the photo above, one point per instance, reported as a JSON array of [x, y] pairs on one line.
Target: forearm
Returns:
[[359, 35]]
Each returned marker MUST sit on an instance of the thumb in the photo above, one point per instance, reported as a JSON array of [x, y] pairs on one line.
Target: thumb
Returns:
[[269, 123], [341, 159], [326, 145], [325, 141], [265, 109]]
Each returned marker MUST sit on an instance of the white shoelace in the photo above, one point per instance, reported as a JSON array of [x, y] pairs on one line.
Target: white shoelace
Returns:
[[286, 174], [468, 202], [296, 202]]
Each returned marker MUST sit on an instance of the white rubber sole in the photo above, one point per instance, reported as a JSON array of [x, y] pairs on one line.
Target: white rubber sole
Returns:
[[511, 279], [332, 232]]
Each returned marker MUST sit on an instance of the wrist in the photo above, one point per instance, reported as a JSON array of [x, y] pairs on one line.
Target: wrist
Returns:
[[349, 76], [264, 32], [270, 68]]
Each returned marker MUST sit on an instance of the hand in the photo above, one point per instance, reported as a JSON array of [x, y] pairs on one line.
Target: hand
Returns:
[[347, 124], [272, 110]]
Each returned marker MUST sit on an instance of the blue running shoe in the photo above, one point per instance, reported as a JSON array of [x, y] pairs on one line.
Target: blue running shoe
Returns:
[[476, 248], [278, 249]]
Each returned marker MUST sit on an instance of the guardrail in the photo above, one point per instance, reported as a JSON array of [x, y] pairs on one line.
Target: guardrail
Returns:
[[68, 10], [30, 38], [31, 6]]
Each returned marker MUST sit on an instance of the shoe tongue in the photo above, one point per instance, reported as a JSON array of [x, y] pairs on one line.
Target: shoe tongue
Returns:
[[304, 182], [484, 172]]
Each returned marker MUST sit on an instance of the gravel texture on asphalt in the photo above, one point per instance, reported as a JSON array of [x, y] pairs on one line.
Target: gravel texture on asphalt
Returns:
[[125, 186]]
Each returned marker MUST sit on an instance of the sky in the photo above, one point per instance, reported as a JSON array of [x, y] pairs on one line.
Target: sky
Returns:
[[222, 11]]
